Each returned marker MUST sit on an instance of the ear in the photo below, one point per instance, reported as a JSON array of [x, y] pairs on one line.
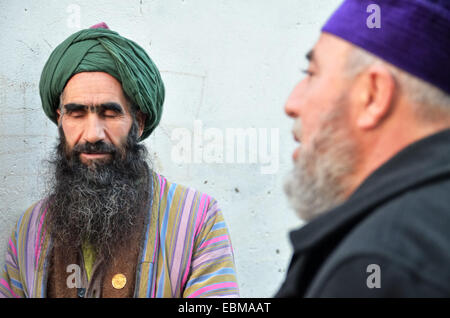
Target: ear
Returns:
[[58, 116], [141, 117], [375, 96], [58, 110]]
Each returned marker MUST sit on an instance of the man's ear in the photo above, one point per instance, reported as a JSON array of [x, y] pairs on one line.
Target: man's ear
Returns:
[[58, 116], [58, 111], [375, 95], [141, 117]]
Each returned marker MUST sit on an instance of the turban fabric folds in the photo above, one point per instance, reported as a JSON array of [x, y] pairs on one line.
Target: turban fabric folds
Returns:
[[413, 35], [99, 49]]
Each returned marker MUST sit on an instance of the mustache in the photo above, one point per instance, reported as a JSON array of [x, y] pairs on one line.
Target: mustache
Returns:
[[97, 147], [297, 130]]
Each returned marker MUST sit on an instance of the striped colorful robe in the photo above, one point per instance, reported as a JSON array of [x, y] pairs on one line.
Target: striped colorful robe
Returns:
[[187, 249]]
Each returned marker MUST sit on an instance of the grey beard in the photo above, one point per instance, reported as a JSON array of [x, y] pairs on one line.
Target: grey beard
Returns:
[[320, 178], [99, 204]]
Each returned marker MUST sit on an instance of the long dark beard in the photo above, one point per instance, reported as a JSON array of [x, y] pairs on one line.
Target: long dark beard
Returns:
[[100, 204]]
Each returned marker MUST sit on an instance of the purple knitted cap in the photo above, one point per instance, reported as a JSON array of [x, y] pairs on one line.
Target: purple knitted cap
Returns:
[[413, 35]]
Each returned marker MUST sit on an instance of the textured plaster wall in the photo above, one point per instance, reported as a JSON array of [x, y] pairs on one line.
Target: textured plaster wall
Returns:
[[229, 64]]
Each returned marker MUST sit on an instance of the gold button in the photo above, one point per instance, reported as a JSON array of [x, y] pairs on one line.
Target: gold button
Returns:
[[119, 281]]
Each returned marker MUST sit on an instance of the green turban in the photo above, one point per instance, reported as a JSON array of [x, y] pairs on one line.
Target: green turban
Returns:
[[103, 50]]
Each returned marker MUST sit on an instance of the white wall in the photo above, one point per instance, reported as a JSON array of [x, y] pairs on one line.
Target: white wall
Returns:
[[230, 64]]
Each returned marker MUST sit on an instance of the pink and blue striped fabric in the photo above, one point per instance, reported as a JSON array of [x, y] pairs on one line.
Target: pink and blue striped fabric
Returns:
[[187, 249]]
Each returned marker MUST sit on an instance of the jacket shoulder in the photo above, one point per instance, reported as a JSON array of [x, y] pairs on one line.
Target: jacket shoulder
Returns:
[[31, 222], [409, 226], [408, 234]]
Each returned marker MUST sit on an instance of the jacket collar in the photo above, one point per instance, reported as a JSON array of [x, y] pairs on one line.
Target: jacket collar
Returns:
[[423, 161]]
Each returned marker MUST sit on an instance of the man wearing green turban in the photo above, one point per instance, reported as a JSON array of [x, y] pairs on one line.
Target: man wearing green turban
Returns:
[[100, 49], [110, 226]]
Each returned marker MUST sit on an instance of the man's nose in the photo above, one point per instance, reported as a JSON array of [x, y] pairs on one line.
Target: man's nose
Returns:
[[292, 106], [94, 129]]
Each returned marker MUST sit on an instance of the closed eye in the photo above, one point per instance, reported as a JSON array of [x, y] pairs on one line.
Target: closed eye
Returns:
[[75, 110], [111, 110], [76, 114], [308, 72], [109, 114]]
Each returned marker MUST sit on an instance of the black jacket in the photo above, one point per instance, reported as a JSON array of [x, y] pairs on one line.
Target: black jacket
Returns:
[[398, 220]]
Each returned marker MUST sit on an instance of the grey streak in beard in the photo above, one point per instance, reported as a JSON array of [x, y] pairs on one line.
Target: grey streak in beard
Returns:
[[100, 204], [319, 180]]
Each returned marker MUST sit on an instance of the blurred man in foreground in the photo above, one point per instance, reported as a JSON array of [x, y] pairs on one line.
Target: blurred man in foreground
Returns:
[[372, 173]]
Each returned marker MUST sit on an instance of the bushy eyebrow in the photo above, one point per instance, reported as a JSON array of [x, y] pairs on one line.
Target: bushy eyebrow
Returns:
[[112, 106], [74, 107], [71, 107]]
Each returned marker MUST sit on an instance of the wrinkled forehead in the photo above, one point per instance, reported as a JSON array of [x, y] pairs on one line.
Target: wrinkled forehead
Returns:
[[93, 83], [94, 88]]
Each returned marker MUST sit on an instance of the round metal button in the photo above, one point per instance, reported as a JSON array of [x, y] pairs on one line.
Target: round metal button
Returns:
[[119, 281]]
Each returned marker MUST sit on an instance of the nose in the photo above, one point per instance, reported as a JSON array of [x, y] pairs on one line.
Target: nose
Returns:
[[292, 106], [94, 129]]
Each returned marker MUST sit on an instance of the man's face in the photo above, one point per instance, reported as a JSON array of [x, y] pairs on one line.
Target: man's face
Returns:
[[94, 109], [327, 157], [99, 181], [320, 92]]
